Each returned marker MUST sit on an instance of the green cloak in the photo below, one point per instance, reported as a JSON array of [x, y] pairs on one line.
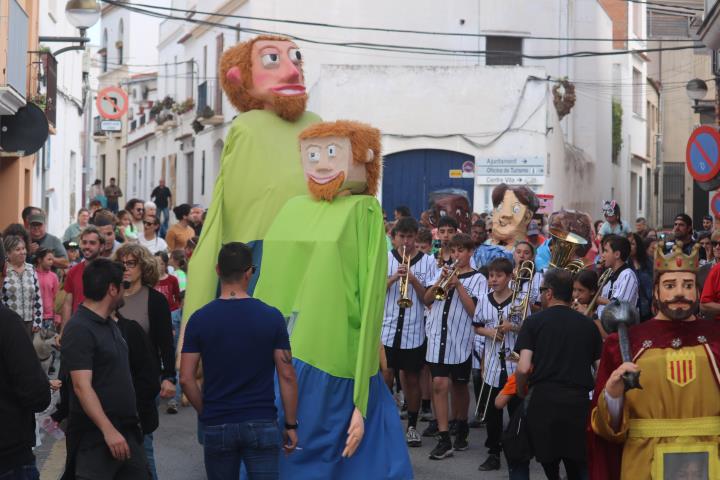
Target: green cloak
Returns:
[[260, 170], [325, 265]]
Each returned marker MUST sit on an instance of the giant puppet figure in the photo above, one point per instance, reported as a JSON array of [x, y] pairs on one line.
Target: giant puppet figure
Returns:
[[672, 424], [260, 165], [325, 268]]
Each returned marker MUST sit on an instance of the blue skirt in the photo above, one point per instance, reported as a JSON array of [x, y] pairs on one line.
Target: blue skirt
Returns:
[[325, 405]]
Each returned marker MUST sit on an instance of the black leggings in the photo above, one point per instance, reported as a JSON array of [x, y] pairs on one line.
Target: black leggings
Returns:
[[576, 470]]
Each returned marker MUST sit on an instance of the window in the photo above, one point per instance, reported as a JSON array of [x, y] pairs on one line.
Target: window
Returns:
[[189, 81], [640, 193], [204, 64], [119, 43], [637, 92], [503, 50]]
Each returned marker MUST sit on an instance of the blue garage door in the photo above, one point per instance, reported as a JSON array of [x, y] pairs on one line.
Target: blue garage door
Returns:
[[409, 177]]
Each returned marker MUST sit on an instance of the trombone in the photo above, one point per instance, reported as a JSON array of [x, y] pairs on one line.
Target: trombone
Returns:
[[604, 278], [441, 291], [404, 301], [520, 302], [496, 356]]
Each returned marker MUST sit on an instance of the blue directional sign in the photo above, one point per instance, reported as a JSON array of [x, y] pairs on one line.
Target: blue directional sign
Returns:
[[702, 155]]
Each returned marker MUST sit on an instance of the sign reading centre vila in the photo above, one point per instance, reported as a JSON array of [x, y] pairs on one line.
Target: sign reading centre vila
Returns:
[[512, 171]]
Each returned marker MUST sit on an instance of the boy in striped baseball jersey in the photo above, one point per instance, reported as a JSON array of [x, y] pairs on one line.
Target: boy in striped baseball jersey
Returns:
[[450, 337], [495, 321], [623, 283], [403, 329]]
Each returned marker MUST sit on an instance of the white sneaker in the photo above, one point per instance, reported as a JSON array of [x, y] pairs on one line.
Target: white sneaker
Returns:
[[413, 438]]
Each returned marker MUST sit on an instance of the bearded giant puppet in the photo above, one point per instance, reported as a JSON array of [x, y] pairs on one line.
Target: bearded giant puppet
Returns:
[[669, 429], [260, 164], [325, 268]]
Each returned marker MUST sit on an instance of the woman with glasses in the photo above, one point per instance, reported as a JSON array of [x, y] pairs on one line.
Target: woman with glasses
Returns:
[[21, 289], [713, 259], [150, 238], [151, 310]]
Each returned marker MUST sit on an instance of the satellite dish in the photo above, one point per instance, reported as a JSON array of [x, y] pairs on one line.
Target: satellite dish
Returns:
[[25, 132]]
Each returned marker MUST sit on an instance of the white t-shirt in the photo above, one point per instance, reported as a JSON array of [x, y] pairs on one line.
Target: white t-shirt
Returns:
[[155, 245]]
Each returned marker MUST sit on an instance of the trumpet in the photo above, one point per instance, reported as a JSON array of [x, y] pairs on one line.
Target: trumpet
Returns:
[[404, 301], [440, 259], [604, 278], [441, 291]]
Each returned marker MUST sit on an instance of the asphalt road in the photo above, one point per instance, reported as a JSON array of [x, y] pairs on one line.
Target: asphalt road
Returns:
[[179, 456]]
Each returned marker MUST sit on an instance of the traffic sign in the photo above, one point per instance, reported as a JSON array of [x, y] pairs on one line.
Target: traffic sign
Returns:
[[111, 125], [702, 155], [112, 103], [715, 204]]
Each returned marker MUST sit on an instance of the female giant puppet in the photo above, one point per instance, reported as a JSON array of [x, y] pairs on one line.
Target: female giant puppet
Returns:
[[325, 268], [260, 165], [672, 424]]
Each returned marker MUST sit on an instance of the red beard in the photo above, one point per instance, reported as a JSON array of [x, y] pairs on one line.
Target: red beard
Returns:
[[290, 108], [326, 191]]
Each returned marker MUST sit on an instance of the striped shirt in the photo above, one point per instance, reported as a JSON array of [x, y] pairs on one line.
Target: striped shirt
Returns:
[[449, 326], [405, 327], [487, 315], [623, 285]]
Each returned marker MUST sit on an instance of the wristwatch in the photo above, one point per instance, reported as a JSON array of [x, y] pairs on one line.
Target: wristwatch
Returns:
[[291, 427]]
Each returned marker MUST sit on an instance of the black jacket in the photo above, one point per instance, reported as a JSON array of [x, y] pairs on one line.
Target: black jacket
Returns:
[[160, 333], [144, 370], [24, 391]]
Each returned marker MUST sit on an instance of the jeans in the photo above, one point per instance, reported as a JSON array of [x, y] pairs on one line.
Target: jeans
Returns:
[[176, 316], [165, 214], [24, 472], [150, 454], [113, 206], [255, 443]]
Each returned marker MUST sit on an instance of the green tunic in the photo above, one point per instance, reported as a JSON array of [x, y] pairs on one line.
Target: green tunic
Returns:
[[260, 170], [326, 264]]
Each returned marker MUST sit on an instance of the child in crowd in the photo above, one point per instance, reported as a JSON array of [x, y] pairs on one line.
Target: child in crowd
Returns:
[[73, 252], [177, 266], [446, 230], [424, 241], [495, 321], [49, 285], [168, 285], [126, 231], [449, 341]]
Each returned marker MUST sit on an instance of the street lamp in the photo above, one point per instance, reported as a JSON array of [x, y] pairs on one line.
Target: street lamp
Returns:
[[697, 90], [81, 14]]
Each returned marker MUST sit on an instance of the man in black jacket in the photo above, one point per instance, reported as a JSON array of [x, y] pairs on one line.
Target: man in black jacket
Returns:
[[24, 390]]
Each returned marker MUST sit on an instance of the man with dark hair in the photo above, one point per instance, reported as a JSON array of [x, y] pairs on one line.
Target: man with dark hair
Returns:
[[238, 411], [402, 211], [162, 196], [92, 243], [103, 436], [707, 223], [559, 346], [104, 220], [623, 283], [683, 232], [25, 215], [641, 227], [113, 193], [24, 391]]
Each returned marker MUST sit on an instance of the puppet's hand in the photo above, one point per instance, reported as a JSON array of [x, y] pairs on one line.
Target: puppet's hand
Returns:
[[356, 431]]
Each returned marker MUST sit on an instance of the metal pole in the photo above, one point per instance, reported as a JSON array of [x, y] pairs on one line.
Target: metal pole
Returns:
[[659, 147]]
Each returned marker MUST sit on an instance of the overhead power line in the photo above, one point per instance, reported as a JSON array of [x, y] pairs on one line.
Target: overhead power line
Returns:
[[365, 28], [404, 48]]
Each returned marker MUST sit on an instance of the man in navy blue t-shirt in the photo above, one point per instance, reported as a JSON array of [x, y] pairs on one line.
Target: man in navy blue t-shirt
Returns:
[[241, 342]]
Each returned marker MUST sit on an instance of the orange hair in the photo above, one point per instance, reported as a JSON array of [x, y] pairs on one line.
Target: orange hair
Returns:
[[362, 138], [240, 56]]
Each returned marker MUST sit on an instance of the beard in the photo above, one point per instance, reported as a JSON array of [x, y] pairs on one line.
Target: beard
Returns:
[[289, 108], [679, 314], [326, 191]]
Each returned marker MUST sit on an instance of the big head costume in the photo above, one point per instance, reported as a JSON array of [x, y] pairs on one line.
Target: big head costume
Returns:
[[260, 165], [674, 421], [325, 267]]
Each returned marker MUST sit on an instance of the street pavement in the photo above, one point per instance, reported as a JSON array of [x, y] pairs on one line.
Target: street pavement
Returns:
[[179, 456]]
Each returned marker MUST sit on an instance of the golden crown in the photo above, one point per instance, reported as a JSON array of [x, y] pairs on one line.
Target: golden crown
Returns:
[[676, 260]]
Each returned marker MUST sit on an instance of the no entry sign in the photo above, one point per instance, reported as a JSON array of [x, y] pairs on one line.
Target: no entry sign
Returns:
[[702, 155], [112, 103], [715, 204]]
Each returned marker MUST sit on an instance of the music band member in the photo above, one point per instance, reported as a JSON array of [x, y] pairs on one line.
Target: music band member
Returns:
[[623, 283]]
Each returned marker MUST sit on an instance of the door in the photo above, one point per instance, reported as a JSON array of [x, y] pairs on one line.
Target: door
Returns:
[[189, 176], [673, 192], [410, 176]]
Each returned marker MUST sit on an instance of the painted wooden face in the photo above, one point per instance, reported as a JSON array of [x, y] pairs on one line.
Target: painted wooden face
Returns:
[[509, 218], [330, 168]]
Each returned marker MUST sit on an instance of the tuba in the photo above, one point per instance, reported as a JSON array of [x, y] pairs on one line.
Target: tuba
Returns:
[[562, 250], [404, 301]]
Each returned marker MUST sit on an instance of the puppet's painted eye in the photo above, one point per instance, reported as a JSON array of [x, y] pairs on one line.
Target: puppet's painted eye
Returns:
[[270, 60], [516, 209], [295, 56], [314, 156], [332, 150]]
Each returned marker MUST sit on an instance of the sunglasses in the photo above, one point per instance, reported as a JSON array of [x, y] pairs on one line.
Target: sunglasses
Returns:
[[714, 244], [139, 209], [130, 263]]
